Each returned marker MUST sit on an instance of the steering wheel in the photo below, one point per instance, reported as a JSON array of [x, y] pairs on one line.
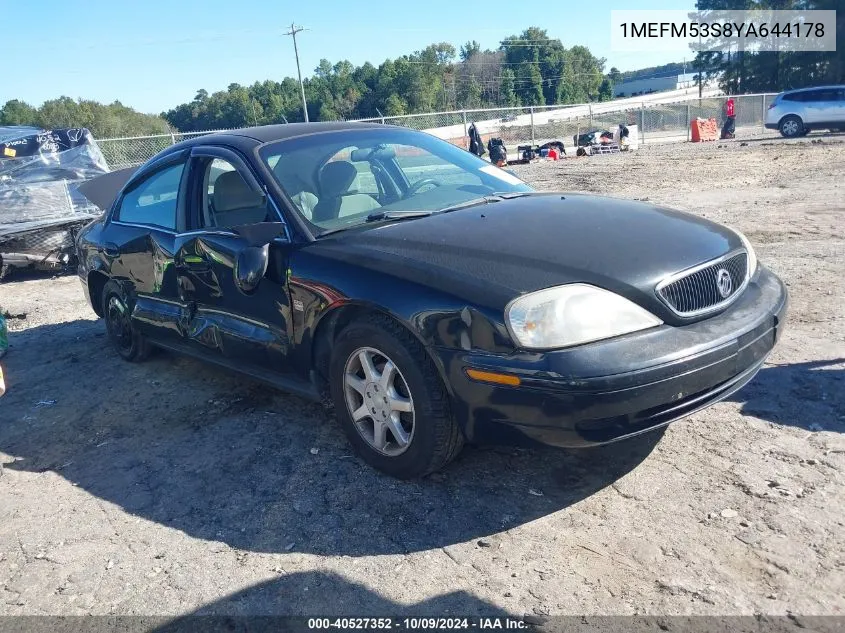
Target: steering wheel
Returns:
[[420, 184]]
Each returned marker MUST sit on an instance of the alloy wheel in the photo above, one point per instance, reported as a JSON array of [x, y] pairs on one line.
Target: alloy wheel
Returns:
[[379, 401], [791, 128]]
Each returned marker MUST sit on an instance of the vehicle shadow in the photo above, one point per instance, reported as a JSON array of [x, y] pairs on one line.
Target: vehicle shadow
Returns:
[[807, 395], [310, 594], [223, 458]]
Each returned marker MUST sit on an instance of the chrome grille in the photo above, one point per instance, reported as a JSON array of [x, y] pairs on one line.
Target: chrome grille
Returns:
[[697, 291]]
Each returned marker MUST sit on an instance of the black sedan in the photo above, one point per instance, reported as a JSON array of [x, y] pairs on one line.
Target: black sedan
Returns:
[[431, 297]]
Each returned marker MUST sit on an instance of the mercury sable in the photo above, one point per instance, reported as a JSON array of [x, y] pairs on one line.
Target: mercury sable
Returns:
[[432, 298]]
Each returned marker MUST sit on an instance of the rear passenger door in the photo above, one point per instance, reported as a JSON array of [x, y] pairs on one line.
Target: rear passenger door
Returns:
[[140, 241]]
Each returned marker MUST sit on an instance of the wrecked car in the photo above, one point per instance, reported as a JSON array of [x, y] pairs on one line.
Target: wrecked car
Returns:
[[433, 298], [41, 209]]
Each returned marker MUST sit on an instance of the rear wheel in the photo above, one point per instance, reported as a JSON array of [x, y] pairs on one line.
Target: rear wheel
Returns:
[[791, 126], [391, 401], [126, 340]]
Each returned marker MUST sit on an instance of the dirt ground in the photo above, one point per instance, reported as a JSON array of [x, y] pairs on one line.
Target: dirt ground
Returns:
[[171, 487]]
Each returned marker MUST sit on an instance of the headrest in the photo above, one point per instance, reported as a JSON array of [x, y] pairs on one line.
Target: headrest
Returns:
[[337, 178], [231, 192]]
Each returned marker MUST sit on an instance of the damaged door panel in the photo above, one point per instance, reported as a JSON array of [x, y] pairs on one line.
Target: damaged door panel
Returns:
[[246, 325], [139, 245], [146, 262]]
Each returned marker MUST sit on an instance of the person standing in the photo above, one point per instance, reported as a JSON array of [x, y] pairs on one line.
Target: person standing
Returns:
[[729, 129], [476, 145], [624, 134]]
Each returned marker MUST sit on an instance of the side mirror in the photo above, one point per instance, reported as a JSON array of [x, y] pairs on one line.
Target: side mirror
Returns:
[[250, 267], [261, 233]]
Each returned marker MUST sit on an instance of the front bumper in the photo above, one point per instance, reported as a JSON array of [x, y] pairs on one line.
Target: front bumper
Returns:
[[609, 390], [771, 126]]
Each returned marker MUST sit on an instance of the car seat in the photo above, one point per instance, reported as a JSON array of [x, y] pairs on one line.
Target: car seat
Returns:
[[235, 204], [339, 194]]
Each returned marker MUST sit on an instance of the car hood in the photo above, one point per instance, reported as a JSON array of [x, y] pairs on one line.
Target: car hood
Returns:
[[516, 246]]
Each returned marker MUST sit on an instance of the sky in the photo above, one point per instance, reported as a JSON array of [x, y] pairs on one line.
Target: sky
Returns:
[[155, 54]]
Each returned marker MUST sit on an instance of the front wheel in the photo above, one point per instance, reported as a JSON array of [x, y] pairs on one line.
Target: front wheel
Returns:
[[391, 401], [791, 127], [126, 340]]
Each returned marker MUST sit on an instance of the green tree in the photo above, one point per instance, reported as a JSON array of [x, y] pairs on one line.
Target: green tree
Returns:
[[16, 112], [530, 68], [103, 120], [395, 106], [469, 95], [507, 88], [469, 49], [530, 84]]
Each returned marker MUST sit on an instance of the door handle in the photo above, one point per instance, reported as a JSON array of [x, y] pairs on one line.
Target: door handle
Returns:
[[111, 250]]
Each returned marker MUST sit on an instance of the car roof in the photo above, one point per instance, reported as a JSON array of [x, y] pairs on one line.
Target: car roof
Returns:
[[812, 88], [246, 139], [251, 136]]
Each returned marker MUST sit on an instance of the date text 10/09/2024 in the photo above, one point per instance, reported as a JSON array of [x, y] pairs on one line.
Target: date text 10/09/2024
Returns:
[[417, 624]]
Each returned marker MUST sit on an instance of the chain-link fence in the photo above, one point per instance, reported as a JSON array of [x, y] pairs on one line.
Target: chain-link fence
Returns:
[[130, 151], [656, 122]]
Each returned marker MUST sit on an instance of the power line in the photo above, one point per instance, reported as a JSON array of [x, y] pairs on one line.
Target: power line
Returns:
[[293, 31]]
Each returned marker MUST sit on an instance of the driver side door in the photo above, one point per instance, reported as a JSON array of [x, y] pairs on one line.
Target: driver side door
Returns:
[[242, 325]]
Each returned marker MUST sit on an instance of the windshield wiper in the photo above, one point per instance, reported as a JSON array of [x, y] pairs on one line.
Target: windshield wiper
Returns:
[[377, 216], [396, 215], [471, 203], [510, 195]]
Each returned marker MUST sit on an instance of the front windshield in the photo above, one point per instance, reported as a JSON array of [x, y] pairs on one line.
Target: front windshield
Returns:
[[337, 179]]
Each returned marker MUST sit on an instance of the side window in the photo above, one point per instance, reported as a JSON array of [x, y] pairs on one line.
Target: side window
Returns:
[[814, 96], [154, 201], [227, 199], [827, 95]]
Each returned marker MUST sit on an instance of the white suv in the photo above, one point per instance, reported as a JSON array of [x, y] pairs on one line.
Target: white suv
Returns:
[[797, 112]]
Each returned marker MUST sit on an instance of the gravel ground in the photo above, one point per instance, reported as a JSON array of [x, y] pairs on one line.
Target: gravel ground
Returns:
[[171, 487]]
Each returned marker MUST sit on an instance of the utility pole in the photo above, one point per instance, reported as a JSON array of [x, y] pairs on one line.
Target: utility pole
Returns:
[[293, 31]]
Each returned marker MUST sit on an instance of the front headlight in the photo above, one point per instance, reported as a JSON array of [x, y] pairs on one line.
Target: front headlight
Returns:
[[752, 256], [573, 314]]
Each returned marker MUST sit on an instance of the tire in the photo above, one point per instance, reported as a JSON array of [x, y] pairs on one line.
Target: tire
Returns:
[[791, 126], [126, 340], [431, 437]]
